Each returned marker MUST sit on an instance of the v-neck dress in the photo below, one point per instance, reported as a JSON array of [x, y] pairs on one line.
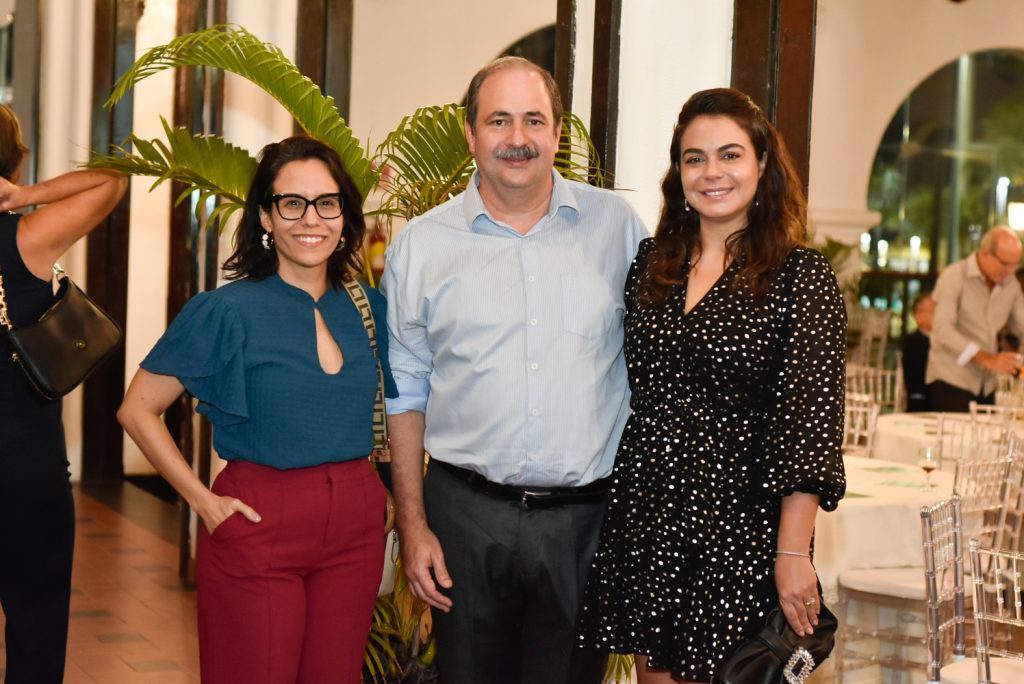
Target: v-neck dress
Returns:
[[247, 351], [736, 404]]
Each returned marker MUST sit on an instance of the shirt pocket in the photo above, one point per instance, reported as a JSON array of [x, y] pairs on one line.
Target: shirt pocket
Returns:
[[589, 308]]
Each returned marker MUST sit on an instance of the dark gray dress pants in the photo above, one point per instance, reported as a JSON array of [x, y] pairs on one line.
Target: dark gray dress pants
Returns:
[[518, 577]]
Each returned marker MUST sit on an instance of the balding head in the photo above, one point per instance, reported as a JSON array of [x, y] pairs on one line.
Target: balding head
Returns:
[[999, 254], [1000, 237]]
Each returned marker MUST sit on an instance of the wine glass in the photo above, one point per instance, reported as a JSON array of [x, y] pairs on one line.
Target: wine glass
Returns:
[[928, 460]]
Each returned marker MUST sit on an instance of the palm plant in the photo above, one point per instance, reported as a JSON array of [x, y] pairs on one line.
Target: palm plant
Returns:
[[422, 163]]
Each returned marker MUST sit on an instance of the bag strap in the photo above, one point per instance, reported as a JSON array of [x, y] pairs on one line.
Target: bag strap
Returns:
[[5, 318], [381, 447]]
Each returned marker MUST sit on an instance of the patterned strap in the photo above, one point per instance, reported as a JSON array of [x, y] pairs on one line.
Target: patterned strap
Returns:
[[58, 270], [381, 447], [5, 319]]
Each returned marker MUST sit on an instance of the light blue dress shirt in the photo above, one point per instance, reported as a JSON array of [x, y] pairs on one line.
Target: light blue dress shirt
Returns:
[[510, 344]]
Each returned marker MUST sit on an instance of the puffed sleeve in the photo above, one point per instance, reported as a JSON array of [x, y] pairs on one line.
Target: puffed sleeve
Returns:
[[203, 349], [636, 270], [379, 308], [803, 450]]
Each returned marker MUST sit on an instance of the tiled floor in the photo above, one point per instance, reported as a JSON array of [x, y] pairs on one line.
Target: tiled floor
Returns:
[[132, 622]]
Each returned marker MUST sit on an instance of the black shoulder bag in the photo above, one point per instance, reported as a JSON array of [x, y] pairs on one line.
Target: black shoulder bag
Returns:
[[66, 344]]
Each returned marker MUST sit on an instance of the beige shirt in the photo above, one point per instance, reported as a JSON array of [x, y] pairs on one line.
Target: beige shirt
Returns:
[[968, 318]]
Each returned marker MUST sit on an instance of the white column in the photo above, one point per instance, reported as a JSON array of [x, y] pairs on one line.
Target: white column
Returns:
[[668, 50], [65, 103]]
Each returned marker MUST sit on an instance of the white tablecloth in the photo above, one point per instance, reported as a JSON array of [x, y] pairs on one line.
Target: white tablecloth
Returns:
[[878, 523], [898, 436]]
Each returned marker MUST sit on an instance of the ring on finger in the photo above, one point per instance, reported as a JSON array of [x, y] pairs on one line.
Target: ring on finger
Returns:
[[810, 601]]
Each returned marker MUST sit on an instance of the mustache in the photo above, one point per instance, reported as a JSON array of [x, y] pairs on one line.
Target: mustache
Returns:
[[517, 153]]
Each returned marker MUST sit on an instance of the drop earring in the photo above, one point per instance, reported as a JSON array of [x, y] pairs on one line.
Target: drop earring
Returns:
[[267, 241], [341, 244], [686, 205]]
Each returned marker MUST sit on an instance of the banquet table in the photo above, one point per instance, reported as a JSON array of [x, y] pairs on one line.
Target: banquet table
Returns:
[[898, 436], [878, 523]]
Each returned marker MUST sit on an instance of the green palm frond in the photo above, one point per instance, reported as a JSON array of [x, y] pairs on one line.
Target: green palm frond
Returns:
[[577, 157], [619, 668], [234, 49], [424, 162], [379, 658], [206, 164]]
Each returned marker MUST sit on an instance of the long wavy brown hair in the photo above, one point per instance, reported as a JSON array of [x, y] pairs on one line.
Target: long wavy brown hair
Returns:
[[776, 219]]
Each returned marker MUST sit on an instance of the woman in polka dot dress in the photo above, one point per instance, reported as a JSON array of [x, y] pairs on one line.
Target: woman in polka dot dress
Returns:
[[735, 343]]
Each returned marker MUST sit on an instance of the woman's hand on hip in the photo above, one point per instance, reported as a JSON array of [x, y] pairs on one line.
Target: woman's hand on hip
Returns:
[[220, 508], [797, 584]]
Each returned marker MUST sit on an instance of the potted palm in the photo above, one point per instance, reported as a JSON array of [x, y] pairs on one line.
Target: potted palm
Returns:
[[420, 164]]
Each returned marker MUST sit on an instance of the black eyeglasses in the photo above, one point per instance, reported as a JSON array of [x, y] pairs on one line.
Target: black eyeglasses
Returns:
[[293, 207]]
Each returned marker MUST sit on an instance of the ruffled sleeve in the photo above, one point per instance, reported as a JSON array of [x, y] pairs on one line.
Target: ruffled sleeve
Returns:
[[203, 348], [803, 451]]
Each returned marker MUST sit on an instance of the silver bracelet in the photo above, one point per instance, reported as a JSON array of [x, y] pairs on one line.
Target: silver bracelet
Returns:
[[793, 553]]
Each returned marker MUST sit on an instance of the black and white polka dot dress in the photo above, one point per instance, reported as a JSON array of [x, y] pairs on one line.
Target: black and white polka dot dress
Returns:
[[735, 405]]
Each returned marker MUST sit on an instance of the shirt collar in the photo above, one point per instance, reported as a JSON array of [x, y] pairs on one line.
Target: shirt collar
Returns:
[[973, 269], [473, 204]]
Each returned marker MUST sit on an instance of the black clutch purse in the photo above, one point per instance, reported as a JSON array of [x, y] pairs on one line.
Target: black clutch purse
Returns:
[[66, 344], [777, 655]]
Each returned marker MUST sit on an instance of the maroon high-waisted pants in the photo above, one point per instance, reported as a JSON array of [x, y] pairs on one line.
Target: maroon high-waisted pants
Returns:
[[289, 599]]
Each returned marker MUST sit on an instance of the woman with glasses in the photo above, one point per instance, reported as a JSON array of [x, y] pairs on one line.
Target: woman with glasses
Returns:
[[292, 541]]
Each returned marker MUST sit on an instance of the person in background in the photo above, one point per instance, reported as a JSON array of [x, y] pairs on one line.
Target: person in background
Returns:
[[505, 311], [736, 350], [37, 512], [291, 540], [915, 354], [974, 299]]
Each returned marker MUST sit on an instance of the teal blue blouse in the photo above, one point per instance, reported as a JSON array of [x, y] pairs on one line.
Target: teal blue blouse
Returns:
[[247, 351]]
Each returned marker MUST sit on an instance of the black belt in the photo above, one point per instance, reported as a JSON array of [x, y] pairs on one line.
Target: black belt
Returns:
[[534, 497]]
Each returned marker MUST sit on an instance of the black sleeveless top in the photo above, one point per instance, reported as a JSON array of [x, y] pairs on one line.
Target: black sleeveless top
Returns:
[[31, 433]]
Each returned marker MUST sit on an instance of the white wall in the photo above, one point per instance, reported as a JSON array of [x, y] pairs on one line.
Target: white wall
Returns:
[[64, 128], [150, 219], [870, 55], [669, 49], [410, 53]]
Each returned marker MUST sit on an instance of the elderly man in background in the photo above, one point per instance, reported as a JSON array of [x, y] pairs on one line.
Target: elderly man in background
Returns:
[[974, 299]]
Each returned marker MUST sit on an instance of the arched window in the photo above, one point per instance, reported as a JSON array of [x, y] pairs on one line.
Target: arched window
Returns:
[[949, 166]]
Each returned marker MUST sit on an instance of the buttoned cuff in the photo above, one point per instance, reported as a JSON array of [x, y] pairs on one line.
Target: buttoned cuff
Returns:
[[967, 354], [412, 396]]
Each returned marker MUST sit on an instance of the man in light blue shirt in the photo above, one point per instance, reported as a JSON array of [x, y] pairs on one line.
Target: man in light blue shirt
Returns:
[[505, 311]]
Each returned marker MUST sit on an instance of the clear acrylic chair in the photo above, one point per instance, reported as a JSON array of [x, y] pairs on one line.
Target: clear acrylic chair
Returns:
[[959, 434], [998, 619], [874, 336], [931, 595], [986, 481], [1009, 391], [1004, 414], [882, 386], [859, 420]]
